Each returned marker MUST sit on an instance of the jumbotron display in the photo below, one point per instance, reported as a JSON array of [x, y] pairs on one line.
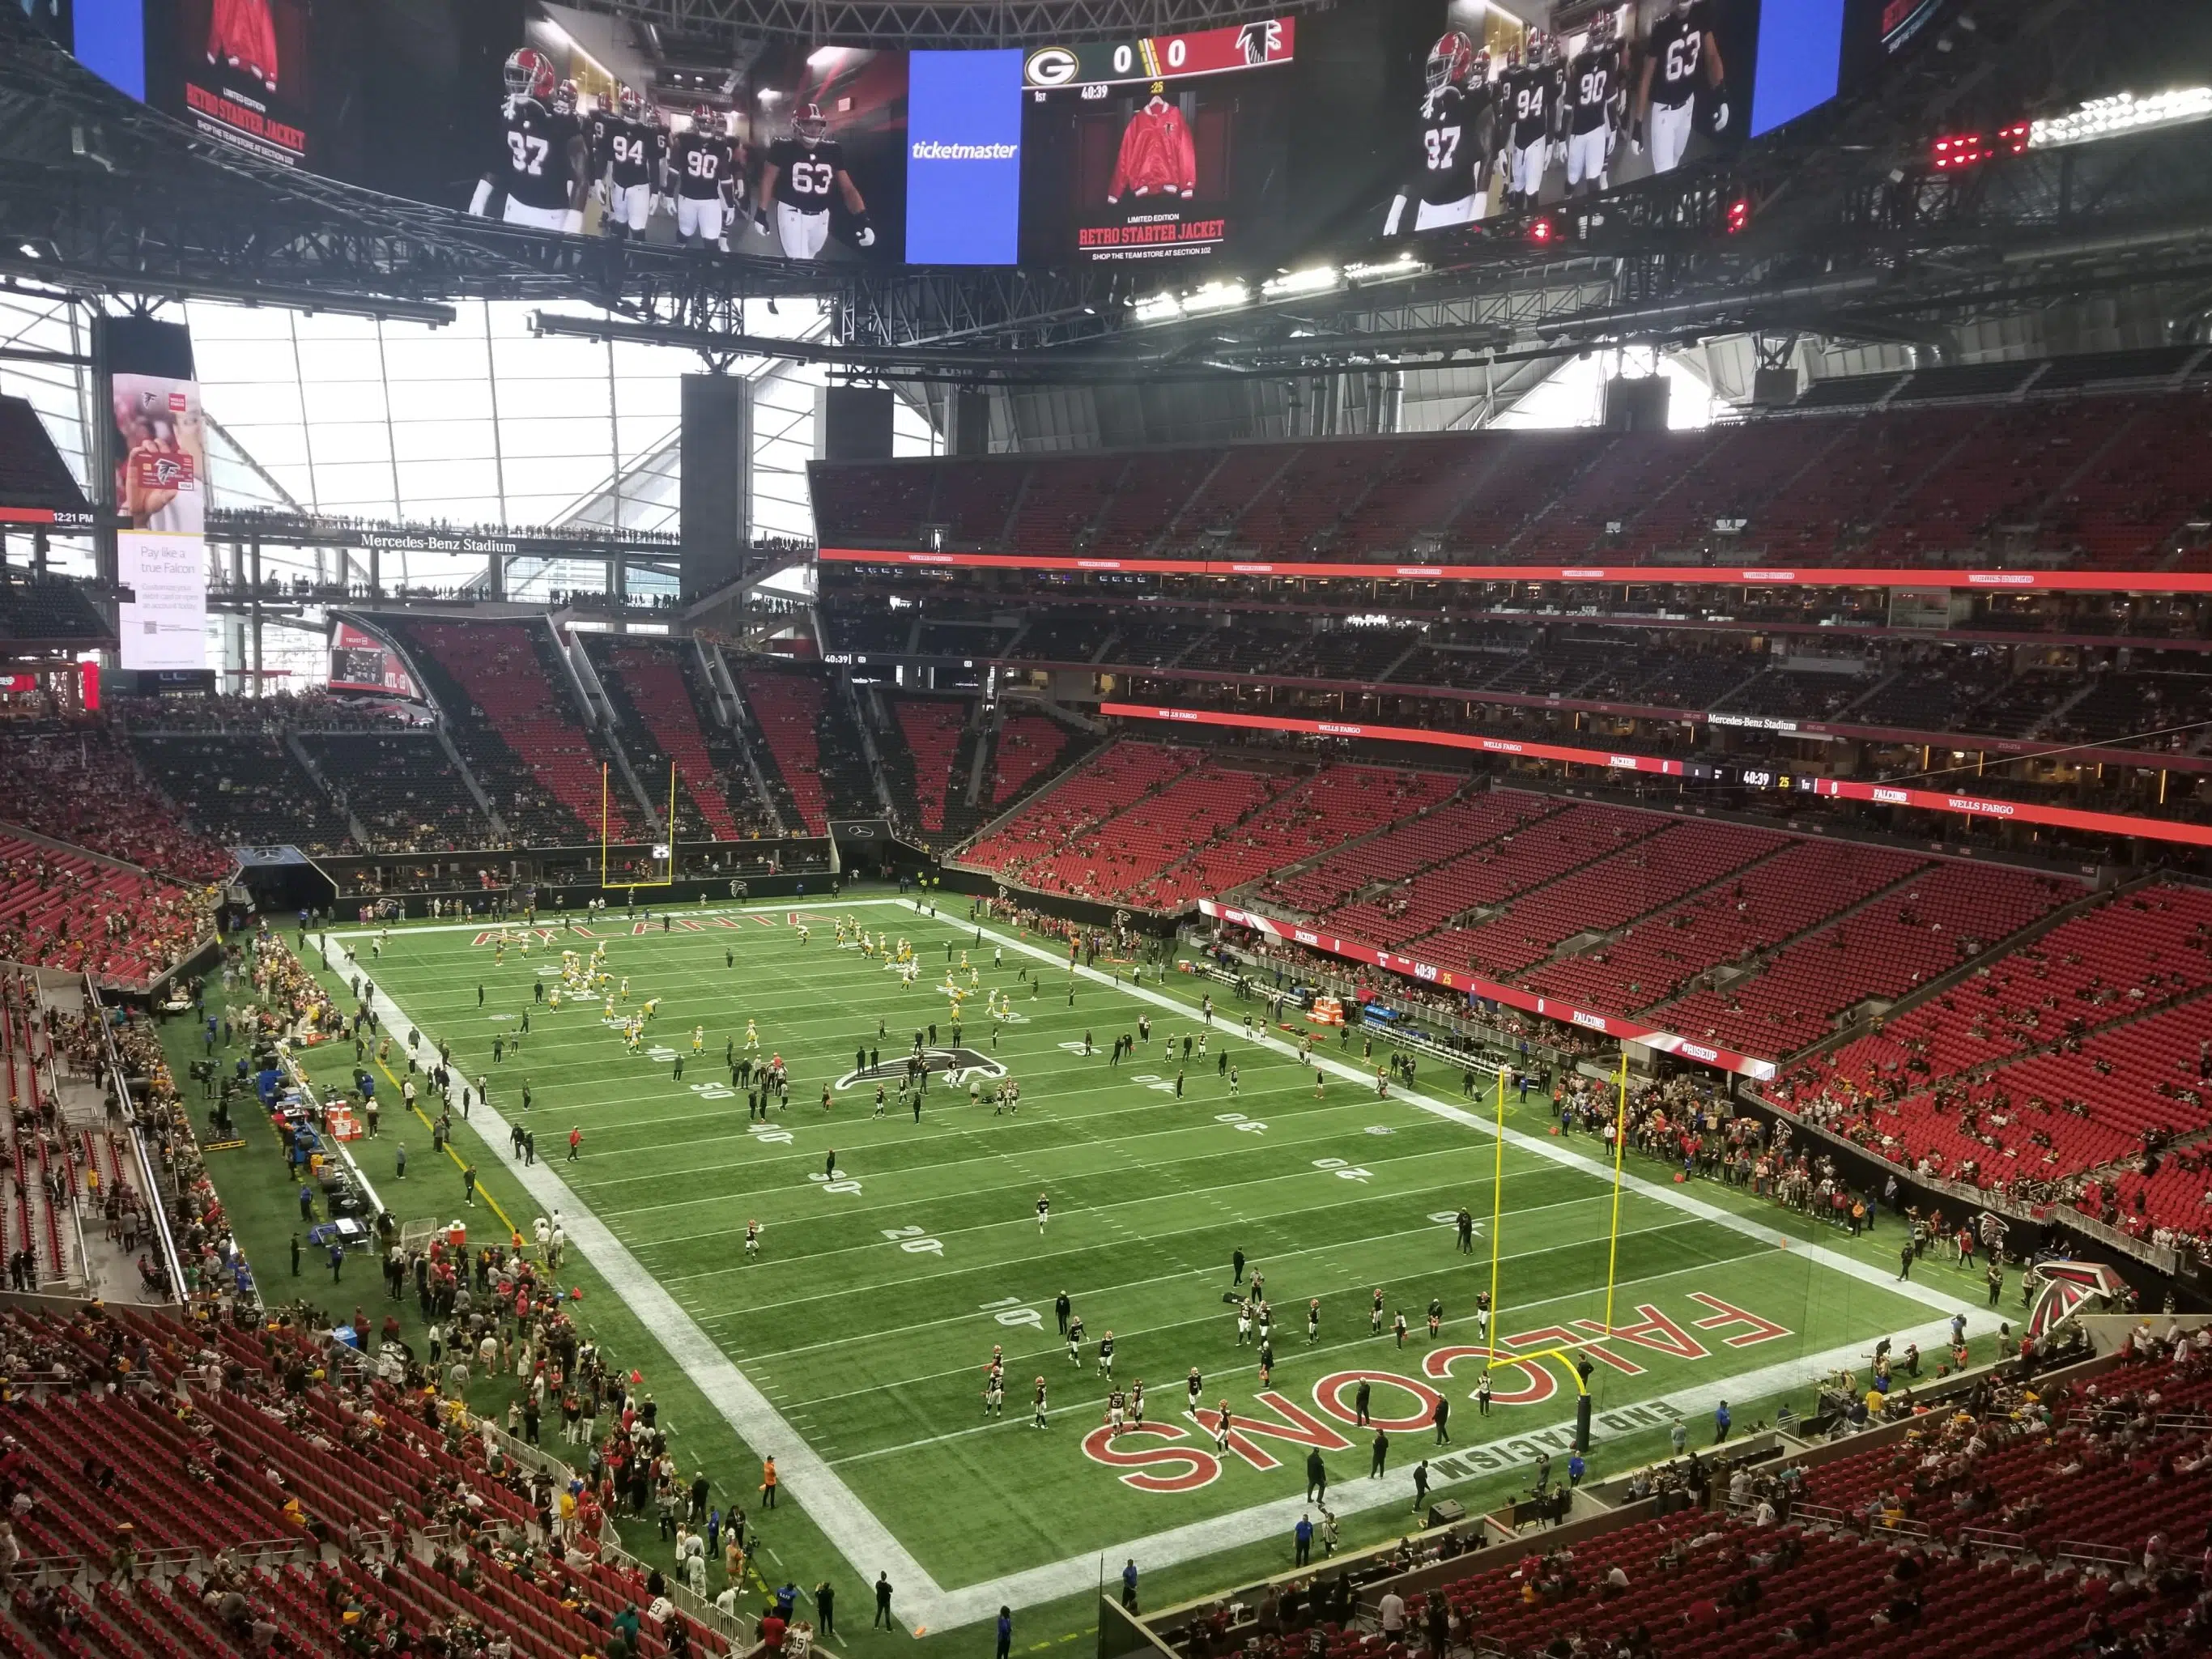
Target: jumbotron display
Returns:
[[1250, 143]]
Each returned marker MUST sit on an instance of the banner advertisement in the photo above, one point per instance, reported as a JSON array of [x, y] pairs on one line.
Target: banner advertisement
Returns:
[[164, 625], [160, 450], [359, 662]]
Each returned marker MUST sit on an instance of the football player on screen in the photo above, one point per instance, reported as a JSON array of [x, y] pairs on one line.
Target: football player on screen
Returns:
[[628, 155], [1529, 100], [1452, 145], [1680, 49], [702, 167], [1594, 95], [544, 167], [803, 166]]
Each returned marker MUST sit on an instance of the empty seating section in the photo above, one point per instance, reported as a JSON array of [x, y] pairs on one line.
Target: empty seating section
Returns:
[[239, 787], [1336, 804], [1679, 858], [872, 506], [48, 610], [1420, 487], [1062, 500], [649, 682], [1910, 481], [1541, 851], [1061, 639], [1128, 857], [1030, 745], [1529, 472], [517, 727], [1230, 488], [787, 708], [2150, 477], [2064, 1055], [976, 498], [1398, 852], [62, 908], [930, 729], [1767, 903], [239, 1472], [79, 783], [1635, 472], [1037, 837], [404, 788], [1891, 947]]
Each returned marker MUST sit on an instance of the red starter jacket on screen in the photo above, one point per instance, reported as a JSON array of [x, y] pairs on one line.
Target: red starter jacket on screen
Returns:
[[242, 33], [1157, 157]]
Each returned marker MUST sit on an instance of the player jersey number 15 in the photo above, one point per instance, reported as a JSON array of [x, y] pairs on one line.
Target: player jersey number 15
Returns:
[[1443, 144], [529, 153], [812, 178]]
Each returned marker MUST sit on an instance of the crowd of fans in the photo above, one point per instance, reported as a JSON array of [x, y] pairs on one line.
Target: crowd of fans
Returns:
[[77, 782]]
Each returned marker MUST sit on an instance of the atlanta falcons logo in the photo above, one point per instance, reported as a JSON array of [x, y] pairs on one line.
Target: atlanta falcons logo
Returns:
[[1260, 41], [168, 472]]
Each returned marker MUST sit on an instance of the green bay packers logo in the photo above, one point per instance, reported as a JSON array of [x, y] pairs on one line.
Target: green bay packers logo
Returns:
[[1052, 66], [956, 1065]]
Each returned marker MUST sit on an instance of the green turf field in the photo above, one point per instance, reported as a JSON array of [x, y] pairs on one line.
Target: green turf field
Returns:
[[896, 1253]]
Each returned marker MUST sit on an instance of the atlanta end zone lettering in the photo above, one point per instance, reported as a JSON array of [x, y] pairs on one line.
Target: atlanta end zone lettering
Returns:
[[1329, 1393], [1726, 1313], [1301, 1429], [1540, 1386], [1153, 1469]]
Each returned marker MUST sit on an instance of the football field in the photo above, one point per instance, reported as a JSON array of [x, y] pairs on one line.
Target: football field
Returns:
[[895, 1252]]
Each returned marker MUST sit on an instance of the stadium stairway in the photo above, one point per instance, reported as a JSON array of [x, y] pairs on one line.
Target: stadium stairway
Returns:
[[657, 719], [514, 723]]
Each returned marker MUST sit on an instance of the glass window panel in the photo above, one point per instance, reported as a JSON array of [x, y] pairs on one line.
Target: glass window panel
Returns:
[[437, 440]]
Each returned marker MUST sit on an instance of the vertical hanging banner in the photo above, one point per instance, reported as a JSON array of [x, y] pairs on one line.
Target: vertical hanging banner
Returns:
[[158, 450]]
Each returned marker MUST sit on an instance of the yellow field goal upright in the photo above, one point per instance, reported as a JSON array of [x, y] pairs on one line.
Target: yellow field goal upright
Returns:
[[664, 851]]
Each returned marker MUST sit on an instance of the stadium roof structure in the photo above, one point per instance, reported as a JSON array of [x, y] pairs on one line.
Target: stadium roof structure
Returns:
[[1838, 227]]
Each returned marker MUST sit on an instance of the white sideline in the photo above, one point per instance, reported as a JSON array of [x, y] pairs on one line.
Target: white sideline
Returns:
[[869, 1547]]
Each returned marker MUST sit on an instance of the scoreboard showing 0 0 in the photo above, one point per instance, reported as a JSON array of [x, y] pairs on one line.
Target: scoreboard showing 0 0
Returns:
[[1258, 45]]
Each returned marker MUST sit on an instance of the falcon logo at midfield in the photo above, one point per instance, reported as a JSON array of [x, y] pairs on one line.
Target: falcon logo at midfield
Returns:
[[958, 1065]]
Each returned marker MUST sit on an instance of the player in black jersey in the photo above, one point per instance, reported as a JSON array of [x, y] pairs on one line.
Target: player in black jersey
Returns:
[[804, 167], [1680, 51], [1453, 147], [628, 156], [1593, 94], [1529, 103], [544, 163], [702, 168]]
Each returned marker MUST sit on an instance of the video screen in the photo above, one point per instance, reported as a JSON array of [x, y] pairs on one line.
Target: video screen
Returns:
[[1164, 149], [1444, 112]]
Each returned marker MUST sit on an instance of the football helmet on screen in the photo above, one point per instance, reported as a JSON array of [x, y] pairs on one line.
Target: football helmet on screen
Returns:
[[627, 100], [1451, 61], [808, 124], [530, 74], [566, 98]]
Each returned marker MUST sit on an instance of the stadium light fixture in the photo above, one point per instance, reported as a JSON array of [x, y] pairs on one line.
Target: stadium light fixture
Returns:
[[823, 56], [1383, 271], [1223, 296], [1322, 279], [1157, 308], [2121, 112]]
